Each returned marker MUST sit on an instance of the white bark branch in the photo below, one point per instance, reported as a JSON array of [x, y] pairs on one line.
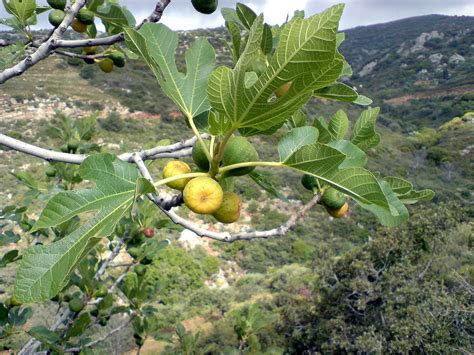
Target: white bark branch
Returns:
[[225, 236], [56, 41], [176, 150], [45, 49]]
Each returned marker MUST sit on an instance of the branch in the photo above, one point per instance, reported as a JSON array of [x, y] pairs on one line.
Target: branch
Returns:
[[176, 150], [45, 48], [32, 345], [56, 40], [224, 237], [101, 339]]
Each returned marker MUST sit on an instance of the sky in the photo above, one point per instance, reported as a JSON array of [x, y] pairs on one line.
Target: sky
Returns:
[[180, 14]]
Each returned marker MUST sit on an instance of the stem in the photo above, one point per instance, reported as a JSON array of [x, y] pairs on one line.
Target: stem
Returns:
[[252, 163], [211, 146], [177, 177], [201, 141], [215, 163]]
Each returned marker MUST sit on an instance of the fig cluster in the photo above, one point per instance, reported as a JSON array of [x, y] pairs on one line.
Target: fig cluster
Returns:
[[204, 194], [333, 200]]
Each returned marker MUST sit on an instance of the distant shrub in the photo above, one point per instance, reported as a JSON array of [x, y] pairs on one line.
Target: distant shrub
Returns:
[[113, 122], [438, 155]]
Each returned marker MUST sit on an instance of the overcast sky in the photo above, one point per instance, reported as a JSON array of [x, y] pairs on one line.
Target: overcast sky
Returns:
[[181, 16]]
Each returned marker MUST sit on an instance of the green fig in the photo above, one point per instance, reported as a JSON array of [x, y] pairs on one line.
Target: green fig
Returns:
[[56, 17], [200, 157], [205, 6], [333, 199], [57, 4], [239, 150]]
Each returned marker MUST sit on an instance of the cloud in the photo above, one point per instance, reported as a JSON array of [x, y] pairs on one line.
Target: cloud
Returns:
[[180, 15]]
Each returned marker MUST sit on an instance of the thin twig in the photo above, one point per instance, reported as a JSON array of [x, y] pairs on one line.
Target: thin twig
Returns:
[[101, 339]]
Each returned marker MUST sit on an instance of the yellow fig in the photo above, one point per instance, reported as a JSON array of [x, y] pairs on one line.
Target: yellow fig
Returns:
[[340, 212], [174, 168], [229, 212], [203, 195], [78, 26]]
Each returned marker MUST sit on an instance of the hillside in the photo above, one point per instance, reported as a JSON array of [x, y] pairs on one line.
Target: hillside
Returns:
[[330, 281]]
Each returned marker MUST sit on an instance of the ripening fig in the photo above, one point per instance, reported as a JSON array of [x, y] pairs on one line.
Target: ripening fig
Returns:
[[90, 50], [57, 4], [76, 305], [205, 6], [200, 157], [339, 212], [282, 90], [78, 26], [239, 150], [85, 16], [203, 195], [56, 17], [174, 168], [106, 65], [333, 199], [229, 212]]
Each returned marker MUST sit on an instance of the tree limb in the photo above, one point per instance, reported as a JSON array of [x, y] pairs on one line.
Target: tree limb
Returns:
[[46, 47], [224, 237], [176, 150], [55, 40]]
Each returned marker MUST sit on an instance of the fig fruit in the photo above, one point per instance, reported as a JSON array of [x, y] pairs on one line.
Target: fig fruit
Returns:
[[174, 168], [140, 270], [309, 182], [118, 58], [76, 305], [340, 212], [229, 212], [106, 65], [239, 150], [51, 172], [85, 16], [199, 156], [56, 17], [333, 199], [57, 4], [90, 50], [203, 195], [205, 6], [78, 26]]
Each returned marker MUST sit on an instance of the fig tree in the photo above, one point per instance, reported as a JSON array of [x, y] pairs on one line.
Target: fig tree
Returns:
[[56, 17], [106, 65], [85, 16], [199, 156], [333, 199], [229, 212], [118, 58], [78, 26], [203, 195], [239, 150], [339, 212], [205, 6], [76, 305], [57, 4], [174, 168]]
